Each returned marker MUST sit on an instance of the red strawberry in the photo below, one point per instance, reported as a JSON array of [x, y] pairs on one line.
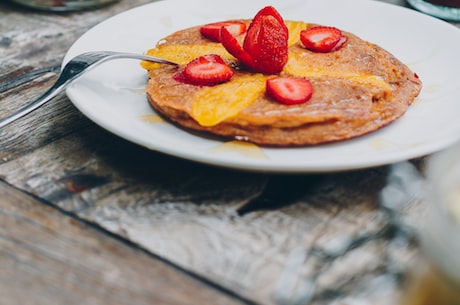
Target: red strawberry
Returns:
[[206, 70], [266, 42], [265, 47], [289, 90], [233, 47], [270, 11], [322, 39], [340, 43], [212, 30]]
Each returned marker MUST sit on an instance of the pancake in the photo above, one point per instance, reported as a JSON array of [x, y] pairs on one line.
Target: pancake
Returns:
[[357, 89]]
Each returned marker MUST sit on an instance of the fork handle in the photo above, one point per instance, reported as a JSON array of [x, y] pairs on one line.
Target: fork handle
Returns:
[[44, 98], [66, 77]]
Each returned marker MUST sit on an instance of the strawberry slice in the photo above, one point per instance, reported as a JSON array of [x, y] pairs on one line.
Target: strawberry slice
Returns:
[[206, 70], [289, 90], [270, 11], [267, 41], [322, 39], [212, 30], [340, 43], [233, 47], [265, 46]]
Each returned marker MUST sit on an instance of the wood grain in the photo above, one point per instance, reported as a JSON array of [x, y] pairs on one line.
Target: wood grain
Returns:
[[47, 257], [188, 214], [32, 46]]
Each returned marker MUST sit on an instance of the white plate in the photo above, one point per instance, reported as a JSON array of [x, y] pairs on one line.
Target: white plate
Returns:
[[112, 95]]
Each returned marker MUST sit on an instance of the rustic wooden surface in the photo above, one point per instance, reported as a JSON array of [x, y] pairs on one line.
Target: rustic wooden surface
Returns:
[[48, 257], [88, 218]]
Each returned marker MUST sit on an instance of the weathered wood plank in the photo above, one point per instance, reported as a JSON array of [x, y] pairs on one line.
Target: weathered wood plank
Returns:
[[50, 258], [40, 39], [32, 43], [188, 214]]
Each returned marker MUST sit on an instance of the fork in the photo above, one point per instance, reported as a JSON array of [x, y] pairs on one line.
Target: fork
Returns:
[[75, 68]]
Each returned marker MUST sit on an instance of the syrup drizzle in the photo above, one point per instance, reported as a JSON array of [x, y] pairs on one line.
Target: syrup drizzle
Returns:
[[382, 144], [240, 147], [151, 118]]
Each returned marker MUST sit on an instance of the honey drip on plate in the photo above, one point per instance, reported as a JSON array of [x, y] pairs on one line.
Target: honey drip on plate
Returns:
[[152, 118], [382, 144], [240, 147]]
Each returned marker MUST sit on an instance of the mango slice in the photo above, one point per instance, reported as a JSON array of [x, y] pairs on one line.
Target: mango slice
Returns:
[[295, 27], [182, 54], [212, 105], [299, 67]]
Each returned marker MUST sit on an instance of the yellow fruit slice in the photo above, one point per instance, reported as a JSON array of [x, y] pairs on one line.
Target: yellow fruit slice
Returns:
[[212, 105], [182, 54], [295, 27], [298, 66]]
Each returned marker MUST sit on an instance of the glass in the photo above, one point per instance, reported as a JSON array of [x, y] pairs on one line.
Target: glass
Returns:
[[437, 280], [63, 5], [445, 9]]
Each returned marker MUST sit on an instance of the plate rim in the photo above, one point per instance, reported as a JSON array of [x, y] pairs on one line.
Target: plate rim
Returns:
[[251, 164]]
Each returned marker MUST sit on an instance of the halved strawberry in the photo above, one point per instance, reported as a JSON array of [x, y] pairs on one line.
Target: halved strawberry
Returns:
[[206, 70], [267, 43], [270, 11], [322, 38], [212, 30], [265, 47], [233, 47], [289, 90]]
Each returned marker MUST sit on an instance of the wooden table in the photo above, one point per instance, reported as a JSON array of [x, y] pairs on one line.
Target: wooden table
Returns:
[[89, 218]]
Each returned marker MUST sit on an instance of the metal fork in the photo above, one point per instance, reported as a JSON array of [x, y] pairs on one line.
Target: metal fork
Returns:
[[75, 68]]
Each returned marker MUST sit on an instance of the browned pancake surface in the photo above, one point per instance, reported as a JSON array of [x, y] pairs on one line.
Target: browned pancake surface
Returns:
[[357, 89]]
